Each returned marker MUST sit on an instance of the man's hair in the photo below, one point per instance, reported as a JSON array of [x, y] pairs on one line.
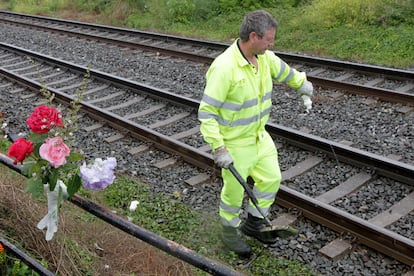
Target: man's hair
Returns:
[[257, 21]]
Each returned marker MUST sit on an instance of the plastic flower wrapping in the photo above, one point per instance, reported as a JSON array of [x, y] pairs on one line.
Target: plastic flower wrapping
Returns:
[[53, 167]]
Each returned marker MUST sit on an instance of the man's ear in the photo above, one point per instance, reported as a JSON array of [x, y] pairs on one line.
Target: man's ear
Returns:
[[253, 36]]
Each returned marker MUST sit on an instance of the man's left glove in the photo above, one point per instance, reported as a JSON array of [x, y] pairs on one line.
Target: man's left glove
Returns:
[[306, 89], [222, 157]]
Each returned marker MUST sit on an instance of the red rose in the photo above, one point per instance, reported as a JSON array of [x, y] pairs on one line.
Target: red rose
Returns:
[[43, 119], [20, 149]]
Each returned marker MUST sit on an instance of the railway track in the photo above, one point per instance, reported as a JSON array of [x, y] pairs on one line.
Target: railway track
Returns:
[[387, 84], [333, 92], [121, 109]]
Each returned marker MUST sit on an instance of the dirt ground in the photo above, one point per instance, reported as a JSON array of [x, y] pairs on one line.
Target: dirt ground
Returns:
[[84, 244]]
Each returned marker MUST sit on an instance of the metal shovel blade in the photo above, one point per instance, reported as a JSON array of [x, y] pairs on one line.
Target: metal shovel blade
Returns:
[[280, 231], [269, 233]]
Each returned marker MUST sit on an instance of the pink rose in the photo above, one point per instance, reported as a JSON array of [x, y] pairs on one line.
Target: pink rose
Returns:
[[54, 151]]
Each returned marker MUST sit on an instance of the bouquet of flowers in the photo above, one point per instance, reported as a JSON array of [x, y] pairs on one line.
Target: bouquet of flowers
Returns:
[[53, 167]]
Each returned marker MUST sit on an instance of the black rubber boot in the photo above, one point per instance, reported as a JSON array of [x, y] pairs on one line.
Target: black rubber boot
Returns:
[[256, 227], [234, 242]]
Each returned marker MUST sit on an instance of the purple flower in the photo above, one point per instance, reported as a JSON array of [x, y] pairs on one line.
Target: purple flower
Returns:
[[98, 175]]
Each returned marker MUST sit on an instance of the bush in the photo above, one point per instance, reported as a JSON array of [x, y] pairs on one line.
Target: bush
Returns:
[[35, 6], [97, 6], [398, 12], [180, 11], [328, 14], [205, 9]]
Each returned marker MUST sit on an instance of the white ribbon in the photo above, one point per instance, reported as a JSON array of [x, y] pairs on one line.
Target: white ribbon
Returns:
[[50, 221]]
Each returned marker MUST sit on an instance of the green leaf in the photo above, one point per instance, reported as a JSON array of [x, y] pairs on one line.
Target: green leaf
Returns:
[[53, 177], [36, 148], [60, 197], [36, 168], [38, 138], [35, 187], [69, 167], [74, 156], [27, 168], [74, 185]]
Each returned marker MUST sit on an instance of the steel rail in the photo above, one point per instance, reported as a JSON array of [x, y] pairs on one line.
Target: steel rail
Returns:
[[357, 67], [378, 238], [381, 93], [163, 142], [122, 82], [220, 46], [160, 141], [384, 94], [376, 92], [127, 31], [143, 234], [387, 167], [123, 43], [32, 263]]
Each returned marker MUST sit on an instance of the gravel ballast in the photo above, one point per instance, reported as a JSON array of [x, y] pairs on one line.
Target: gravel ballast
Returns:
[[379, 128]]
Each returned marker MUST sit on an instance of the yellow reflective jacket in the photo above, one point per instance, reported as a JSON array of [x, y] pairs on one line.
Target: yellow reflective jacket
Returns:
[[237, 99]]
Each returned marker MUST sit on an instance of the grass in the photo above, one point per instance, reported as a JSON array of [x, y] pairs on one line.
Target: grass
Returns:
[[381, 49], [196, 230]]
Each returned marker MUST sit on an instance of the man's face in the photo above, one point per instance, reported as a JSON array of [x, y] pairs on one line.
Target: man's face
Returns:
[[261, 44]]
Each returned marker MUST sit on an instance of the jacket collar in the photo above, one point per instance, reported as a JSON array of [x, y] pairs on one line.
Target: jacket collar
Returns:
[[240, 57]]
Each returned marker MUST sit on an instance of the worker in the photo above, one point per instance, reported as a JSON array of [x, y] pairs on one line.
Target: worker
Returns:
[[233, 113]]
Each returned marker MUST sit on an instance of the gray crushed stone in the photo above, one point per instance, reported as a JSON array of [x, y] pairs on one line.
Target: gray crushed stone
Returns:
[[379, 128]]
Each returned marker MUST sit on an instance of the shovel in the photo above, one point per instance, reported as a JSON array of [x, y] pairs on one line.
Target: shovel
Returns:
[[268, 233]]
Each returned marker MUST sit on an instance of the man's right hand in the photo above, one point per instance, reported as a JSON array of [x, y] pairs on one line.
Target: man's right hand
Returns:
[[222, 157]]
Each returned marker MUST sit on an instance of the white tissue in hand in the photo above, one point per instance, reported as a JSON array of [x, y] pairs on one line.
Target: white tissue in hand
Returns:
[[307, 102]]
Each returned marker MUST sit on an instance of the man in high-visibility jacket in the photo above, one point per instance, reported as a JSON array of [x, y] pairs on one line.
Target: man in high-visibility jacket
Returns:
[[233, 113]]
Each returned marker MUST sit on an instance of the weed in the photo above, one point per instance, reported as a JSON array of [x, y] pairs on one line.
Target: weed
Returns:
[[196, 230]]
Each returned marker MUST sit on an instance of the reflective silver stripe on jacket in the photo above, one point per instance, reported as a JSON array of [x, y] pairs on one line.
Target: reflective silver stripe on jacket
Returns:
[[282, 70], [230, 106], [239, 122], [234, 107]]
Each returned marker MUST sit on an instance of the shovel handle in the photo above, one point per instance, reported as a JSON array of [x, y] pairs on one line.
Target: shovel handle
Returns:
[[248, 191]]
